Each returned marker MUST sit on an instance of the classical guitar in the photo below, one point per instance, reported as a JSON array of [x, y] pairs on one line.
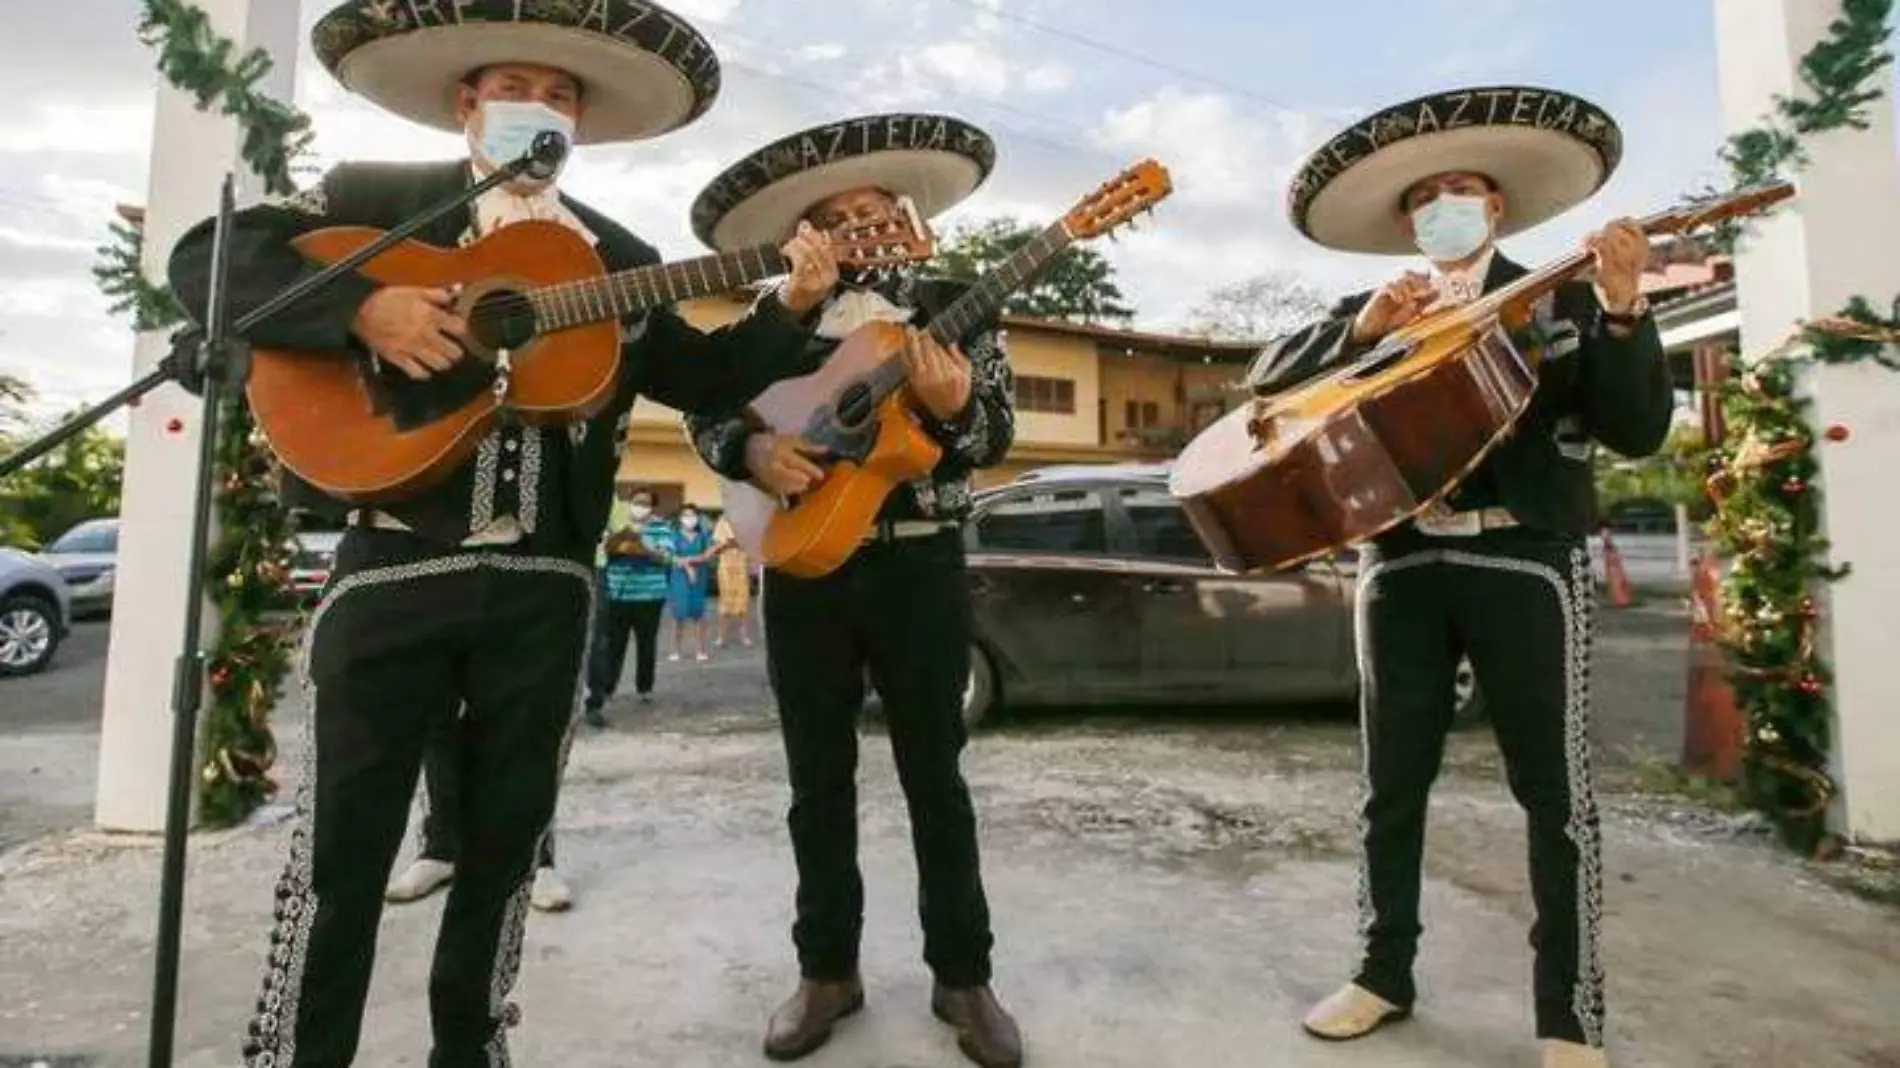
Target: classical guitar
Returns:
[[857, 409], [544, 347], [1378, 440]]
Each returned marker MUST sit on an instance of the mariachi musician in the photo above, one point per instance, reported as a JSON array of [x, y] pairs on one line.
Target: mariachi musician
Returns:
[[478, 591], [1497, 571], [899, 607]]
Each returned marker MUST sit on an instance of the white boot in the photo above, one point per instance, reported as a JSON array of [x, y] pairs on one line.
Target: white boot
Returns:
[[419, 880], [550, 893], [1350, 1012]]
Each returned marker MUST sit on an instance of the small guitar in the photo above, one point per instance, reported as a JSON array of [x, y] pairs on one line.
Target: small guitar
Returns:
[[1359, 450], [856, 406], [544, 345]]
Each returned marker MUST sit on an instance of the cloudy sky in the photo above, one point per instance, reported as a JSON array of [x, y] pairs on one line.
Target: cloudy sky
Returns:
[[1229, 93]]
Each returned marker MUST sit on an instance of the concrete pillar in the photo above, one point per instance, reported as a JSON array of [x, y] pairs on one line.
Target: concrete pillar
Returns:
[[1836, 240], [191, 152]]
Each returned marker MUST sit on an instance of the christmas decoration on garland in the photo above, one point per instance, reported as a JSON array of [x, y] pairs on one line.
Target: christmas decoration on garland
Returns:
[[248, 569], [1765, 479]]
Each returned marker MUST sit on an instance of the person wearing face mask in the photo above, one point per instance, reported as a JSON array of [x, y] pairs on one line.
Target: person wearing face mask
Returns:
[[639, 559], [1497, 571], [475, 594], [690, 583], [899, 607]]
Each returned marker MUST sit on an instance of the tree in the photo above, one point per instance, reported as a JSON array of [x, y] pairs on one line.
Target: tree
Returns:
[[79, 480], [1674, 475], [1260, 308], [1077, 284]]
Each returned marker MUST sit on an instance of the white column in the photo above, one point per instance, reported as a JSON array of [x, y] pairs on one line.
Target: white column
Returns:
[[1836, 240], [191, 152]]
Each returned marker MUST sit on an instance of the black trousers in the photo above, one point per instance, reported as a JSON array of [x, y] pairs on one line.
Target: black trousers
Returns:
[[902, 609], [445, 759], [1520, 605], [608, 658], [406, 634]]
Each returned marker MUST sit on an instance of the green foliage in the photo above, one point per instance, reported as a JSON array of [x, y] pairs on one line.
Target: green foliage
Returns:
[[1078, 284], [75, 482], [1767, 514], [121, 277], [1673, 475]]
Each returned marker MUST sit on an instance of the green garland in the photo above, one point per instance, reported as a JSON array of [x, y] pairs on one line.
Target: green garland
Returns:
[[1762, 480], [247, 572]]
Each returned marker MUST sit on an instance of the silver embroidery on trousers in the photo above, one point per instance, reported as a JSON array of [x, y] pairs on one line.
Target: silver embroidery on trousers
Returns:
[[481, 509], [529, 509], [272, 1042], [1576, 603]]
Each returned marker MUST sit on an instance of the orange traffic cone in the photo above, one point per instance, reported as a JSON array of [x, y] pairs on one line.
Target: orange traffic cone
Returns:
[[1617, 579], [1713, 733]]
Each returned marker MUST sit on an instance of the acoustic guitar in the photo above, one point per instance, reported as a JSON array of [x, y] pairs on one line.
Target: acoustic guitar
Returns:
[[544, 341], [857, 409], [1381, 438]]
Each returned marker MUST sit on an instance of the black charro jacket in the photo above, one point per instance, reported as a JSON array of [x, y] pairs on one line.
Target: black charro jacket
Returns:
[[556, 481]]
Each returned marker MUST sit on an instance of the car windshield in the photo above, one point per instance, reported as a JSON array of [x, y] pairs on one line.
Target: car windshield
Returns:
[[103, 538]]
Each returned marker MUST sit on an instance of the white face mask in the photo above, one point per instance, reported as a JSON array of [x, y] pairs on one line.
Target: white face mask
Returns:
[[509, 127], [639, 512], [689, 522], [1452, 227]]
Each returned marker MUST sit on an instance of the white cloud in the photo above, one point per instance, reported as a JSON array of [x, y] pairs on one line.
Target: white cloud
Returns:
[[968, 66], [1048, 78], [714, 11], [822, 53], [88, 128], [1219, 155]]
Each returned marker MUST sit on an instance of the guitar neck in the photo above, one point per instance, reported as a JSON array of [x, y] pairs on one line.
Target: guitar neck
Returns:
[[624, 293], [984, 300]]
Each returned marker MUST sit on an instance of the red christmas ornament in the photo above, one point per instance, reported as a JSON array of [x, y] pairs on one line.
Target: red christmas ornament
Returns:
[[1794, 487], [1809, 686], [1809, 609], [1837, 432], [220, 676], [174, 425]]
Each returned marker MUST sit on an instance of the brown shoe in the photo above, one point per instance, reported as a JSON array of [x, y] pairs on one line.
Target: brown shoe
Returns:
[[804, 1022], [986, 1033]]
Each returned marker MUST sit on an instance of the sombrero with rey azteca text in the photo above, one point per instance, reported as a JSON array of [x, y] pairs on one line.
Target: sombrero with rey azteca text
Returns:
[[643, 70], [1548, 151], [935, 160]]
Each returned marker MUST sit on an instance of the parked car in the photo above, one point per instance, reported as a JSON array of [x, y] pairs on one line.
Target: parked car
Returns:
[[35, 613], [312, 562], [86, 556], [1089, 586]]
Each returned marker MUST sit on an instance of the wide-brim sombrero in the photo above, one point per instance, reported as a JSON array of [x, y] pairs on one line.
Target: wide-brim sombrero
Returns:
[[935, 160], [643, 70], [1548, 151]]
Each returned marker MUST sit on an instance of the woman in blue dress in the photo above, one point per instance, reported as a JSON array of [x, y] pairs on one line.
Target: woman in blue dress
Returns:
[[690, 582]]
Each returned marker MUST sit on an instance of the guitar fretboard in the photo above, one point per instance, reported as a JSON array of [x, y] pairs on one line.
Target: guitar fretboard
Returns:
[[615, 296]]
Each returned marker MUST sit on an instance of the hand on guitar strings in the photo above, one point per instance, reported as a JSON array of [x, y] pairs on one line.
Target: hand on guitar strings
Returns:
[[785, 464], [814, 270], [1621, 252], [1398, 303], [939, 378], [413, 328]]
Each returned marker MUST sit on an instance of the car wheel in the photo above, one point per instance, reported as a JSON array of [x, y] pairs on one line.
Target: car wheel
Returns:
[[979, 689], [1467, 702], [29, 634]]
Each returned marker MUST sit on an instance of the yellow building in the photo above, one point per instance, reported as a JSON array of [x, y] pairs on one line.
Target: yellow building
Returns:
[[1084, 394]]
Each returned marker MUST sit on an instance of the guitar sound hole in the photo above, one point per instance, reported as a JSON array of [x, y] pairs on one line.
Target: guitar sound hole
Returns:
[[854, 405], [502, 319]]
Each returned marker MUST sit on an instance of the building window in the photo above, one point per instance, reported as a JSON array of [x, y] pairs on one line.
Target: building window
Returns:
[[1141, 415], [1035, 394]]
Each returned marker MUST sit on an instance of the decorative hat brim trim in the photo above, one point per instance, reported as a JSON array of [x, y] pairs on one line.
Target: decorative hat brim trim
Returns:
[[936, 161]]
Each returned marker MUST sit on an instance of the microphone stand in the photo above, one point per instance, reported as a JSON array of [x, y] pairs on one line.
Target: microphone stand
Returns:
[[208, 361]]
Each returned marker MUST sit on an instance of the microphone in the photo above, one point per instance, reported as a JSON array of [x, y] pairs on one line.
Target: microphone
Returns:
[[544, 155]]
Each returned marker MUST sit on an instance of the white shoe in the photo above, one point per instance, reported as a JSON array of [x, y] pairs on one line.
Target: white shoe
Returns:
[[1351, 1012], [419, 880], [550, 893], [1561, 1054]]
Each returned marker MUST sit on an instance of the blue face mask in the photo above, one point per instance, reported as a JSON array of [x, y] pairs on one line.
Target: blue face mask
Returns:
[[509, 127], [1452, 227]]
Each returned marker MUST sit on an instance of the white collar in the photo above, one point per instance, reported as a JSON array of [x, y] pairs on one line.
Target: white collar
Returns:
[[850, 308], [1465, 284], [501, 207]]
